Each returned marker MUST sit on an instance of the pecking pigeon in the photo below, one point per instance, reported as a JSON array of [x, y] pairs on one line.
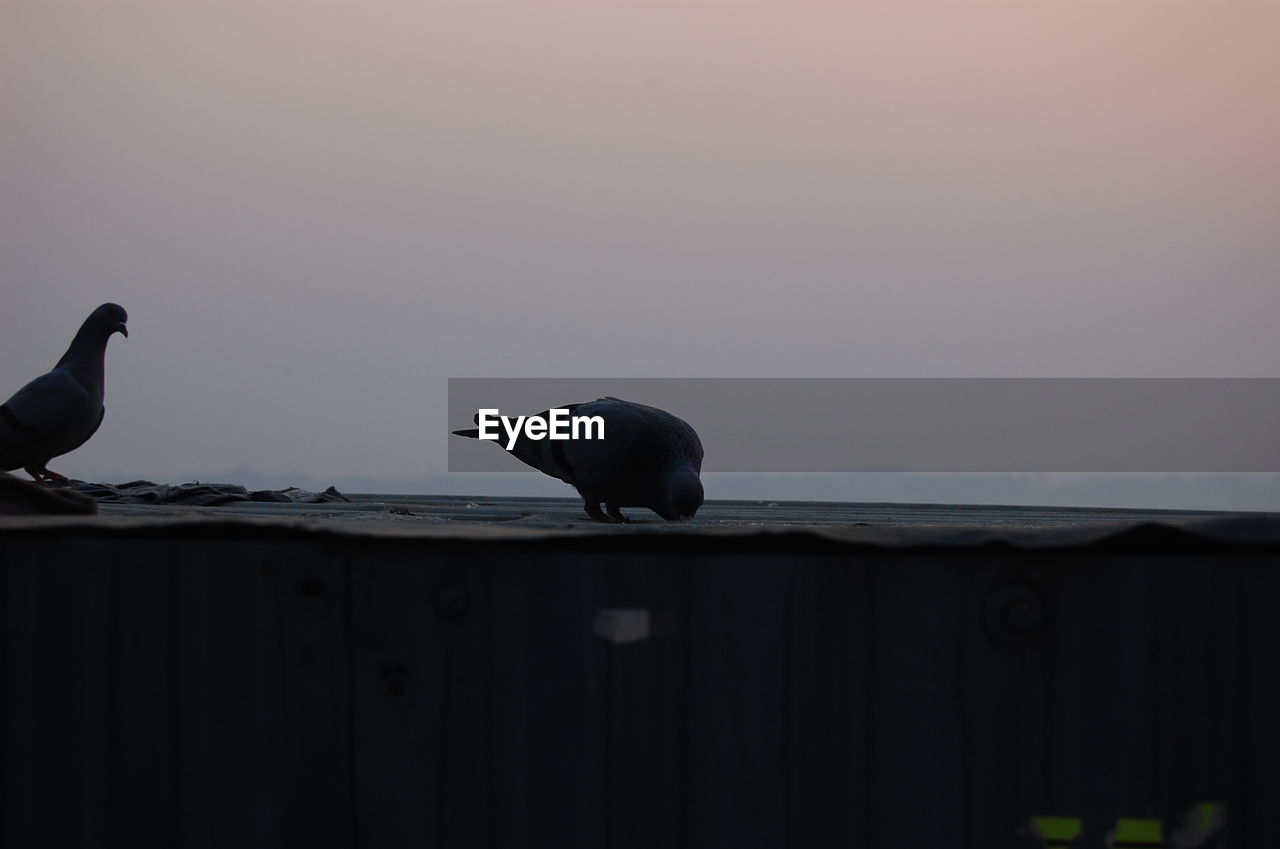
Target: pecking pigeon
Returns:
[[57, 412], [647, 458]]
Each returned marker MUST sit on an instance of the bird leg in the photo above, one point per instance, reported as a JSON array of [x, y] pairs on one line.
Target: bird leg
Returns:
[[593, 510], [615, 513], [45, 477]]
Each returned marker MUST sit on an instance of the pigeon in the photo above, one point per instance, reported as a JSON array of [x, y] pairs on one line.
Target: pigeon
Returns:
[[647, 458], [58, 412]]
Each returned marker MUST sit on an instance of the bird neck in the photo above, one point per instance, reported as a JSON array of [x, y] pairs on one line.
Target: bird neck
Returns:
[[84, 359]]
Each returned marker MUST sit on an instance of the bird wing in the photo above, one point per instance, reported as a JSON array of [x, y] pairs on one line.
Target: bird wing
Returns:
[[576, 461], [636, 437], [669, 437], [49, 404]]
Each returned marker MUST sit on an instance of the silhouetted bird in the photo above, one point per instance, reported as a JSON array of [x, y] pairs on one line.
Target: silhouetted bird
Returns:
[[58, 412], [647, 458]]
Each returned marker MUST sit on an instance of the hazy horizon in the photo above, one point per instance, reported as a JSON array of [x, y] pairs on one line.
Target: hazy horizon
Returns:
[[1172, 491], [317, 213]]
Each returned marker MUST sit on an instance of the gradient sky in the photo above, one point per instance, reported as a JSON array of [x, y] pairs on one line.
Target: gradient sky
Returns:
[[317, 212]]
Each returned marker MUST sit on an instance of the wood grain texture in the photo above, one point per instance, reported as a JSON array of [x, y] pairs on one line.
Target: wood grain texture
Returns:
[[262, 685]]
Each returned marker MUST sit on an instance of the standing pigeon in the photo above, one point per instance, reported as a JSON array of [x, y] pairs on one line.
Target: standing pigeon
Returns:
[[57, 412], [647, 458]]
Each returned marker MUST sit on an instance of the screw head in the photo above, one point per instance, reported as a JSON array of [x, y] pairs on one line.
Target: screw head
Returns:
[[1013, 614]]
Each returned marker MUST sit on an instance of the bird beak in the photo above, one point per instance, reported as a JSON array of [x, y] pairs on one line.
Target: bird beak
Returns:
[[124, 331]]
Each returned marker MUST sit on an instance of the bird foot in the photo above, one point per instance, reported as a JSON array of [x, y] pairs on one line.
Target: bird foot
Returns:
[[613, 517]]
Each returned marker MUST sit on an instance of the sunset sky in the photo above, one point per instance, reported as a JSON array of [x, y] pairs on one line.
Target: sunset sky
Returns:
[[317, 212]]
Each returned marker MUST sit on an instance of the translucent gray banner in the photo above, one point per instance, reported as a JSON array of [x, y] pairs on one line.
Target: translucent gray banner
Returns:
[[921, 424]]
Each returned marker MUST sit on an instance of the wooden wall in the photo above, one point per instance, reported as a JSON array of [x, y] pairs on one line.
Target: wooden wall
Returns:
[[252, 688]]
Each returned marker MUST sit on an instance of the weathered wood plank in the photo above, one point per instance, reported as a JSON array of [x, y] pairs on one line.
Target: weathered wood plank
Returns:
[[312, 597], [1259, 730], [143, 705], [399, 680], [647, 669], [828, 691], [511, 670], [1198, 646], [57, 681], [231, 700], [918, 730], [565, 760], [1003, 628], [738, 676]]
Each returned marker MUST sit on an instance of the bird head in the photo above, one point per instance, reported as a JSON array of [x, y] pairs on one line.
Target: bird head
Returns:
[[684, 495], [110, 318]]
